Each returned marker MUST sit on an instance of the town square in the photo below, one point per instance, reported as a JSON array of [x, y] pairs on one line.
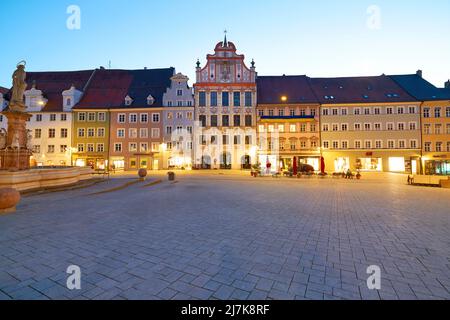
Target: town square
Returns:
[[217, 236], [230, 164]]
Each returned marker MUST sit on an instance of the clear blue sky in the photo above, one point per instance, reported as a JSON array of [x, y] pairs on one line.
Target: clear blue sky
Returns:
[[319, 38]]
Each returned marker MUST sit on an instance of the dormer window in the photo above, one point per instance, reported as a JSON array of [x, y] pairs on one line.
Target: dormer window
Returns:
[[68, 102], [128, 101], [150, 100]]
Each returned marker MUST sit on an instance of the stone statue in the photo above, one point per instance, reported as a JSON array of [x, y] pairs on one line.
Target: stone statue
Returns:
[[15, 141], [3, 136], [19, 87]]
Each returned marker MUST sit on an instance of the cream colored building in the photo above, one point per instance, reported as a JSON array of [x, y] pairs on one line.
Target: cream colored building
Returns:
[[368, 124]]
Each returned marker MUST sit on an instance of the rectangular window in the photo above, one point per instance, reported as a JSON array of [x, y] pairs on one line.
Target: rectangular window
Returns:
[[378, 144], [144, 117], [202, 99], [101, 117], [412, 110], [400, 126], [302, 112], [248, 99], [179, 92], [325, 112], [402, 144], [132, 147], [357, 111], [121, 133], [261, 128], [326, 144], [426, 112], [357, 126], [91, 132], [133, 118], [344, 127], [213, 99], [51, 133], [334, 112], [62, 148], [189, 115], [91, 116], [412, 126], [292, 112], [237, 99], [261, 112], [270, 112], [202, 120], [132, 133], [81, 117], [270, 128], [121, 118], [155, 146], [390, 126], [237, 120], [118, 147], [80, 147], [368, 144], [390, 110], [155, 117], [248, 140], [64, 132], [400, 110], [391, 144], [100, 147], [377, 126], [325, 127], [37, 133], [357, 144], [335, 144], [225, 99], [447, 112], [437, 129], [281, 112], [413, 144], [225, 121], [155, 133], [448, 128], [427, 146], [51, 149], [248, 120], [36, 149], [335, 127], [303, 127], [63, 117], [169, 130], [214, 121], [143, 133], [377, 111], [225, 140], [367, 126], [144, 147], [80, 132], [52, 117], [366, 111], [101, 132], [437, 113], [292, 128], [237, 139], [344, 144], [90, 147], [189, 129]]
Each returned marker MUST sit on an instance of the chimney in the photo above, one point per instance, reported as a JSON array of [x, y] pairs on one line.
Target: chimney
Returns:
[[419, 73], [447, 84]]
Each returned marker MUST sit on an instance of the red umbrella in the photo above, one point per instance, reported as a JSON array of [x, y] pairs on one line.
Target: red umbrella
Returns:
[[322, 165], [294, 167]]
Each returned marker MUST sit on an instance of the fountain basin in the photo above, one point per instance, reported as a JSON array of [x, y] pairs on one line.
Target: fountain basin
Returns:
[[35, 179]]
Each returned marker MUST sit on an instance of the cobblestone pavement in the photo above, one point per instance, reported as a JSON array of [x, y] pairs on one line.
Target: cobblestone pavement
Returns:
[[230, 237]]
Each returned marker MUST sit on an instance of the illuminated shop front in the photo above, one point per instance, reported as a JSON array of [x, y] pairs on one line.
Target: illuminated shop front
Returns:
[[437, 167], [273, 162], [397, 164], [341, 164], [369, 164]]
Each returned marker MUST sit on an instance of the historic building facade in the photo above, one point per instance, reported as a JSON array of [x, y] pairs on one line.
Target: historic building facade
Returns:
[[435, 121], [368, 124], [225, 108], [288, 122], [49, 98], [178, 124]]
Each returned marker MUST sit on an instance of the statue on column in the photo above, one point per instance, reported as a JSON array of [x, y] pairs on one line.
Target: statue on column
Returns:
[[19, 87]]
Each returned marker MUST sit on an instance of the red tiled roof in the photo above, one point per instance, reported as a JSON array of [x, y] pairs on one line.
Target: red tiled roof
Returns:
[[3, 90], [358, 90], [52, 85], [108, 88], [296, 89]]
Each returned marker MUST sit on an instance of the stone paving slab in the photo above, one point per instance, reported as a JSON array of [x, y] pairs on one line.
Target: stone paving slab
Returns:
[[230, 237]]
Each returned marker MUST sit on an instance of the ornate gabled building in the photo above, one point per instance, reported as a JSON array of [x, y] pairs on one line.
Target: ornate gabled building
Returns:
[[225, 108], [178, 123]]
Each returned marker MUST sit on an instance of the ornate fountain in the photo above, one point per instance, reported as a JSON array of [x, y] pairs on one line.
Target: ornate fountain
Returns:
[[14, 143]]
